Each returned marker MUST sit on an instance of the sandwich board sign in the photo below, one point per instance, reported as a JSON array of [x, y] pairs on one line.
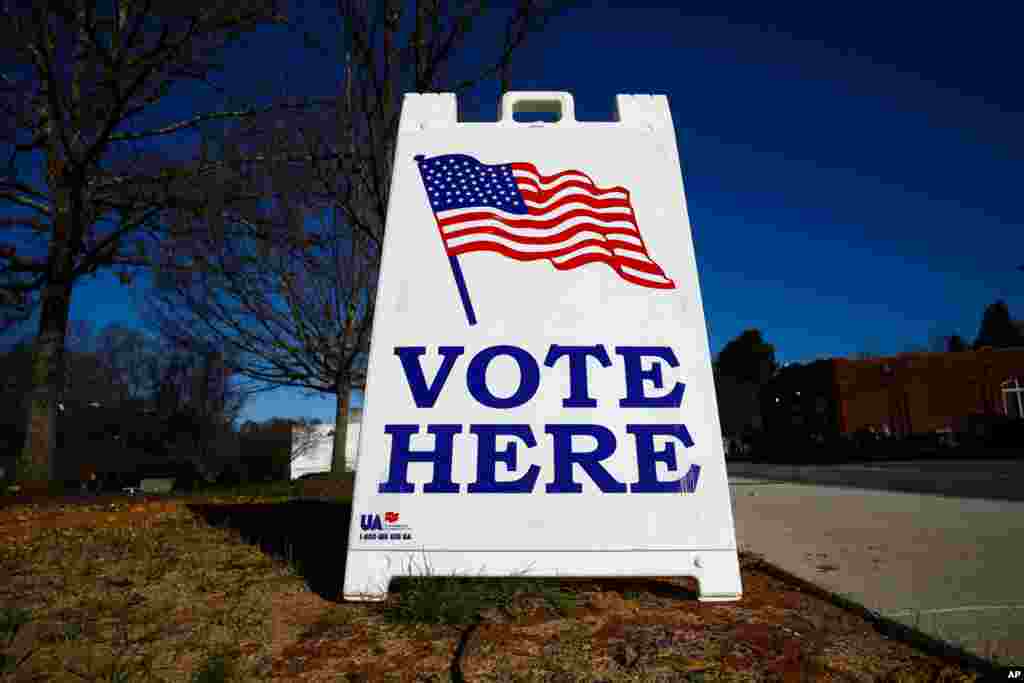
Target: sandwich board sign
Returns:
[[539, 396]]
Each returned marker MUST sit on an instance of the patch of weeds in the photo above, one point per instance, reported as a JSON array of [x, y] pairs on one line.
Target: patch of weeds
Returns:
[[296, 567], [115, 669], [11, 621], [427, 598], [119, 541], [10, 663], [217, 668], [568, 655], [117, 675], [277, 491], [71, 632], [695, 677], [335, 623], [713, 650], [562, 601]]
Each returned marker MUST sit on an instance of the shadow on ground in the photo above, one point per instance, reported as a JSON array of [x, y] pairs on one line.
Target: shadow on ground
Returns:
[[311, 535]]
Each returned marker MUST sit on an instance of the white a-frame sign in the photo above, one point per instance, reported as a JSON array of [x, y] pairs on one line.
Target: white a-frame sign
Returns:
[[539, 395]]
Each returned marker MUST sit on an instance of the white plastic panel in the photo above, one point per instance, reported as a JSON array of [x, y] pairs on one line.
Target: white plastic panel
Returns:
[[657, 500]]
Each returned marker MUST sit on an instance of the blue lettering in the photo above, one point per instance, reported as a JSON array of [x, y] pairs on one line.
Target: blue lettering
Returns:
[[690, 480], [488, 456], [369, 522], [635, 376], [579, 397], [565, 457], [424, 396], [402, 455], [646, 457], [529, 377]]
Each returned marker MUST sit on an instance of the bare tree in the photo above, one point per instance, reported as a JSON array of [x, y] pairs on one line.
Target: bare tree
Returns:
[[130, 360], [188, 390], [191, 392], [82, 187], [284, 306], [290, 282]]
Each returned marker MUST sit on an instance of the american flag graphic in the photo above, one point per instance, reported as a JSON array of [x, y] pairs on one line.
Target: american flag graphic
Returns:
[[514, 210]]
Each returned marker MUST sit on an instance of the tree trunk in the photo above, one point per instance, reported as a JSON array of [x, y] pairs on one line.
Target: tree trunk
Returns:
[[36, 464], [341, 429]]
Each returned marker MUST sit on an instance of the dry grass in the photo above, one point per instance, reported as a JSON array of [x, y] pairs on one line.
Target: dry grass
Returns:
[[149, 591], [149, 595]]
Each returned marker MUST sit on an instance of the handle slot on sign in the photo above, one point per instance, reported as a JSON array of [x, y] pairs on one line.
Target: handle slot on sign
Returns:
[[537, 107]]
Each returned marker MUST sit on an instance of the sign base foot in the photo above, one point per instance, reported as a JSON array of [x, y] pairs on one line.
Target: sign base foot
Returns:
[[368, 573]]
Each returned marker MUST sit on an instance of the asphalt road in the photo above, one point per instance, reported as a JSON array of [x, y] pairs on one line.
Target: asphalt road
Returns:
[[987, 479]]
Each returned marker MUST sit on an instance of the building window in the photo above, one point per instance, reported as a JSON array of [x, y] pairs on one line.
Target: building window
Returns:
[[1013, 398]]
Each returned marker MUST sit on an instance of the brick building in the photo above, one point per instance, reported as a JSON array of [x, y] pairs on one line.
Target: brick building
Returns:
[[911, 393]]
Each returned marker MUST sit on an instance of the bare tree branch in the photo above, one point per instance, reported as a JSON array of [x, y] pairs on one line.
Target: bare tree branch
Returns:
[[25, 201], [196, 120], [289, 283], [76, 77]]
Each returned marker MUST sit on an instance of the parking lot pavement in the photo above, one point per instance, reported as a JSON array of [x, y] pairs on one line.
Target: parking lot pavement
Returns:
[[948, 566]]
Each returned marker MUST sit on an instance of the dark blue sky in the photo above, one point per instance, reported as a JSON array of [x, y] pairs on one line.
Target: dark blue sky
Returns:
[[852, 171]]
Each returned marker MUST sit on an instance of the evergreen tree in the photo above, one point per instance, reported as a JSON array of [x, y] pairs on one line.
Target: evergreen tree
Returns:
[[747, 358], [955, 344], [997, 328]]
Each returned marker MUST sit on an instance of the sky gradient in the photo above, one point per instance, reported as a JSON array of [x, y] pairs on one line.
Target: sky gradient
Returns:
[[852, 178]]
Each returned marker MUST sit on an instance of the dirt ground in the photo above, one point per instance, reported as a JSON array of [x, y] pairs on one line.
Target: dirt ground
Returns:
[[146, 586]]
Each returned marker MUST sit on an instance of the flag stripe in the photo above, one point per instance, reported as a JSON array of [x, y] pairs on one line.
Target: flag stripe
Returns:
[[624, 251], [531, 233], [567, 211], [635, 276], [485, 233], [529, 170], [542, 200], [516, 211], [552, 248], [531, 184], [574, 257], [568, 204]]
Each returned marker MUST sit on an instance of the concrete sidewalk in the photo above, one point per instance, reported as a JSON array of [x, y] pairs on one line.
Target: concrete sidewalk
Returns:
[[948, 566], [996, 479]]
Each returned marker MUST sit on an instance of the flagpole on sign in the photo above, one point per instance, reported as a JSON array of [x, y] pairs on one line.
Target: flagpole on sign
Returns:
[[463, 293], [460, 281]]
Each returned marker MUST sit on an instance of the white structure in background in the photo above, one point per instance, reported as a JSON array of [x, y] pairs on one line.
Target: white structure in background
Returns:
[[313, 451]]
